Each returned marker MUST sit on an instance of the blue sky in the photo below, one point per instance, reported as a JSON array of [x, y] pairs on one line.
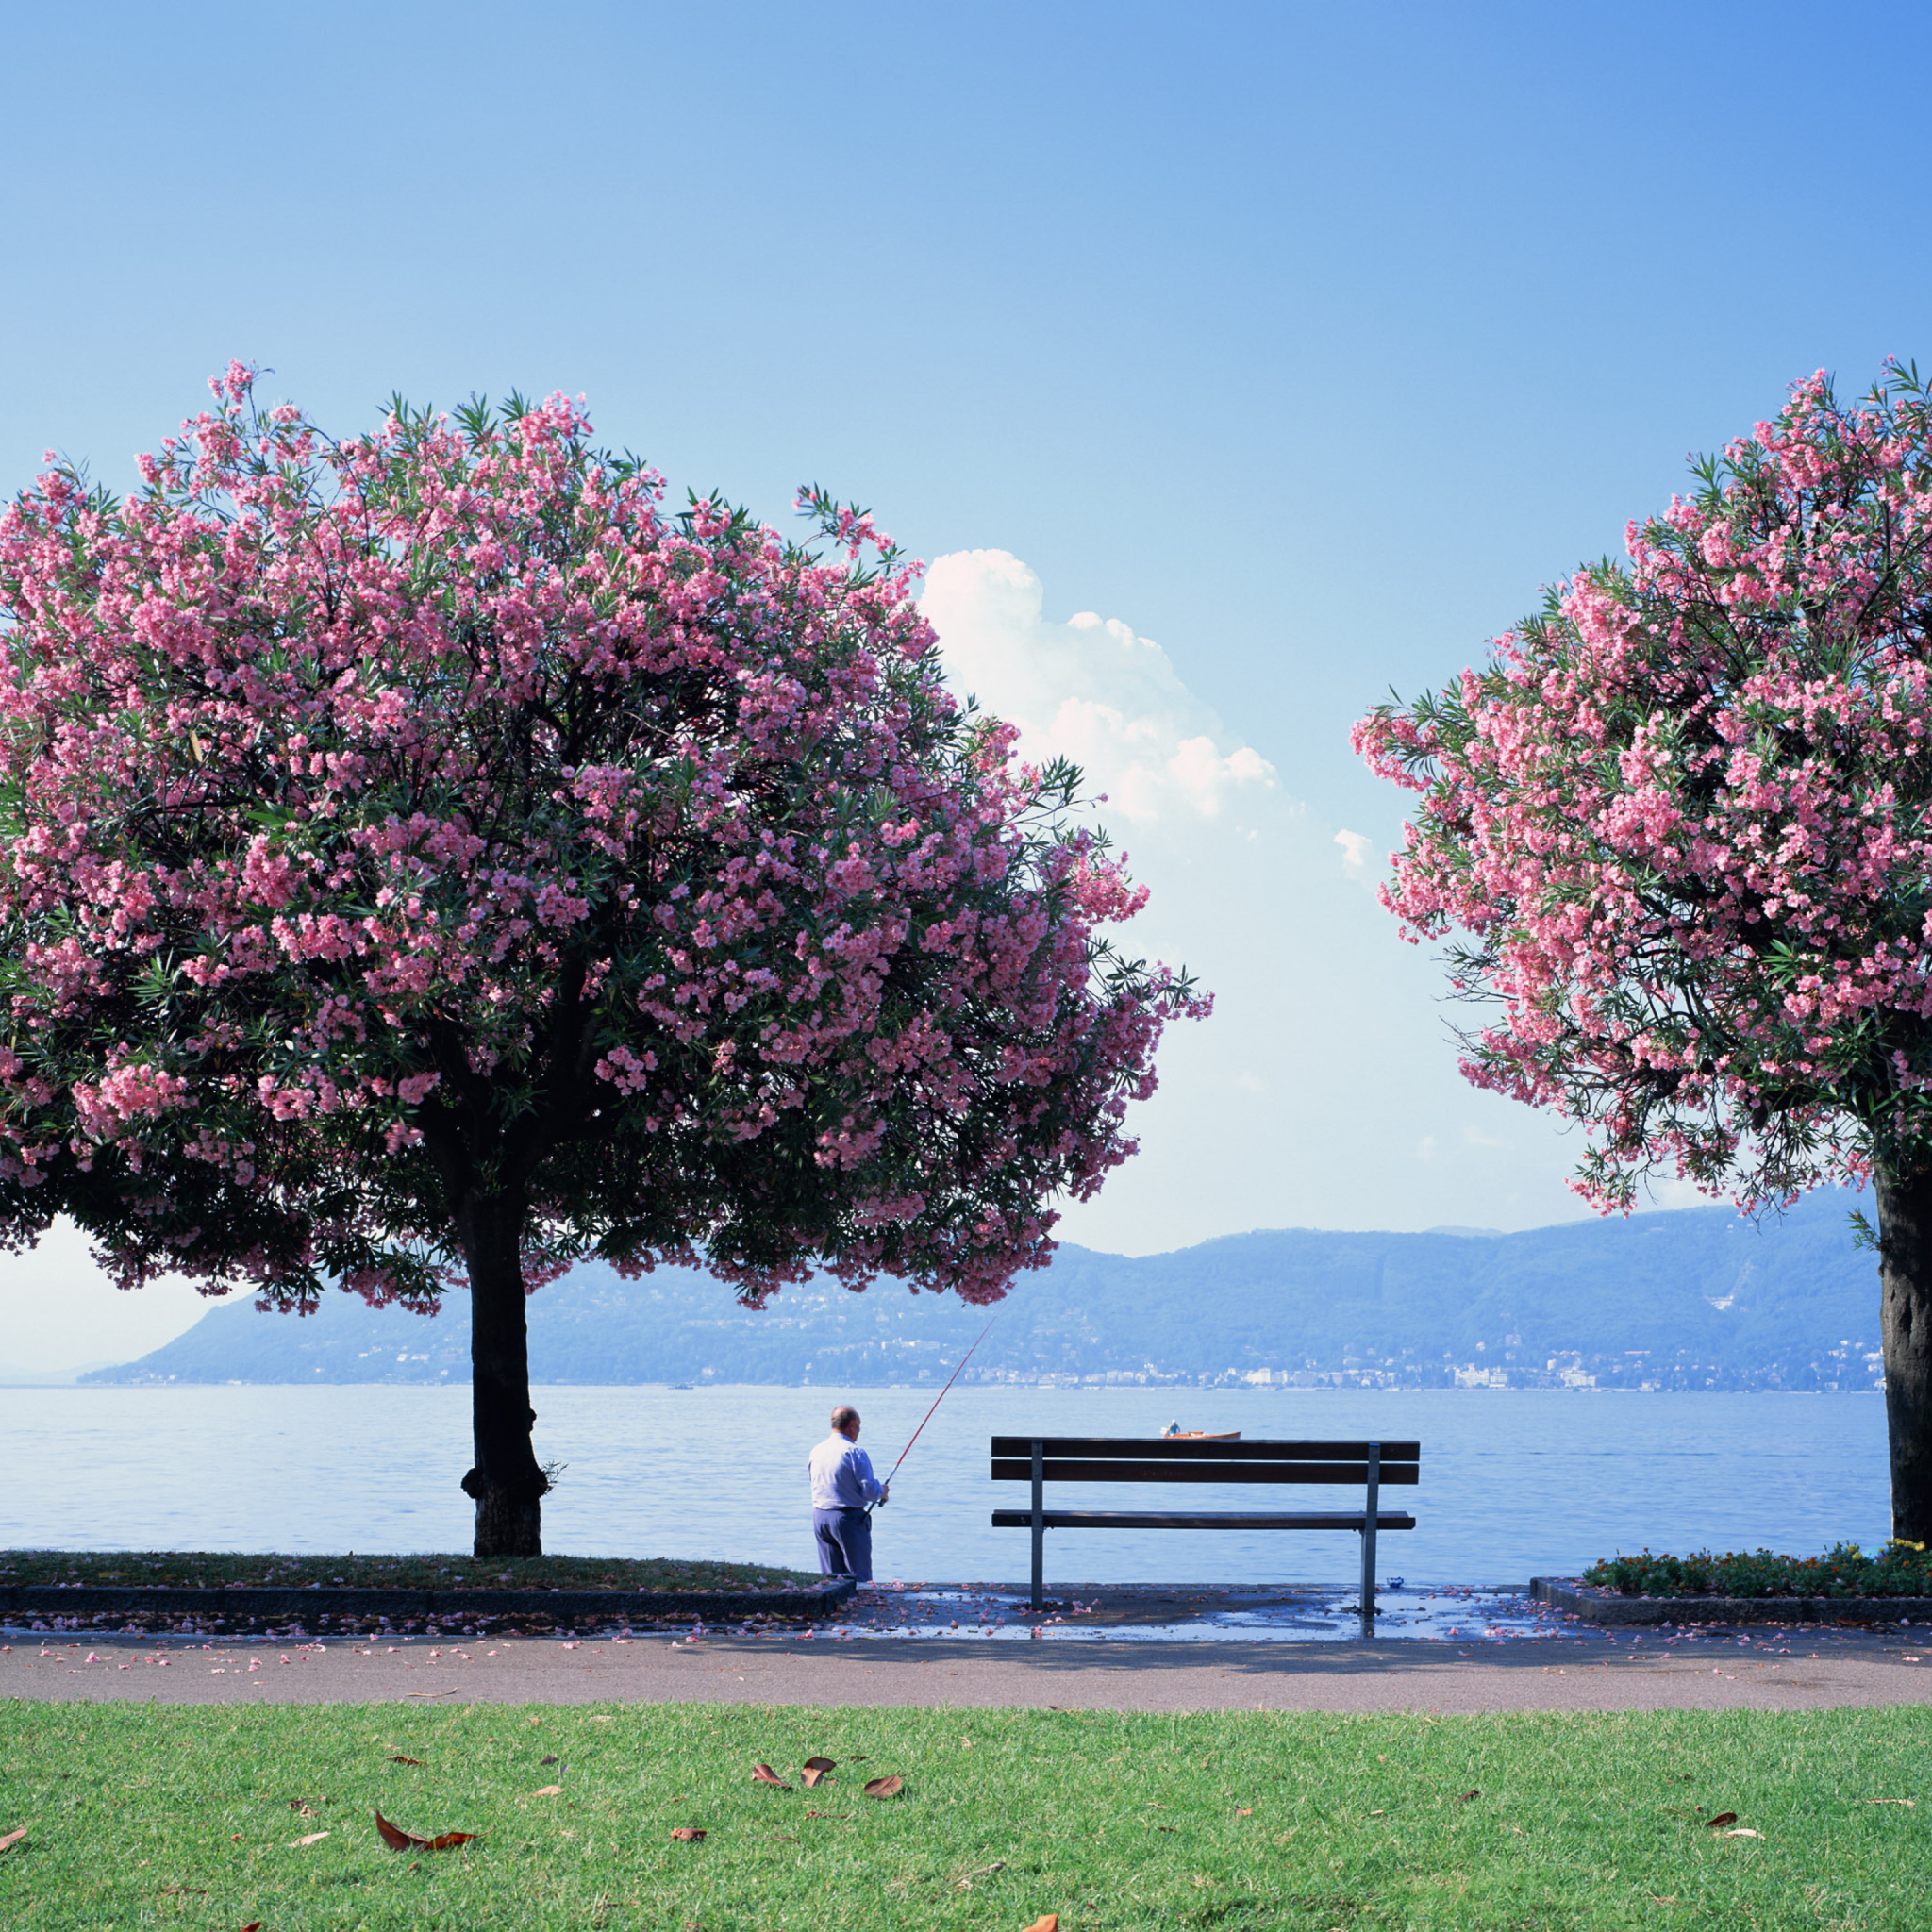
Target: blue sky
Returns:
[[1309, 341]]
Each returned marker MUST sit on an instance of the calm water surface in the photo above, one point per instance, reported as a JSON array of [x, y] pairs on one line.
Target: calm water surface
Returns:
[[1514, 1483]]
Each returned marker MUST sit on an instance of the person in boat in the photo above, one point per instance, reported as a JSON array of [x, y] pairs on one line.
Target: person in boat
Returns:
[[843, 1487]]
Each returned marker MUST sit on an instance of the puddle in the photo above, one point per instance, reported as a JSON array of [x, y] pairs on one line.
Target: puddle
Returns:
[[1102, 1613]]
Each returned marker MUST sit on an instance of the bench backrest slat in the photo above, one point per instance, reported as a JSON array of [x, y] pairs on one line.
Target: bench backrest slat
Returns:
[[1201, 1449], [1074, 1470]]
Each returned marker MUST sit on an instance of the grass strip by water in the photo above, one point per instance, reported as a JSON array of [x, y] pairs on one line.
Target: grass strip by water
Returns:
[[139, 1815], [1900, 1569], [215, 1570]]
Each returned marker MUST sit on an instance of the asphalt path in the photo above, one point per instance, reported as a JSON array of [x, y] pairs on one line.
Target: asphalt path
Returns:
[[1811, 1669]]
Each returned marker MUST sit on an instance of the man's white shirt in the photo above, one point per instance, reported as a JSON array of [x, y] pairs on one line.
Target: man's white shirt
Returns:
[[842, 1476]]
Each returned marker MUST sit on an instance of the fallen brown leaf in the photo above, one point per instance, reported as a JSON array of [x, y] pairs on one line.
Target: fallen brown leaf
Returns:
[[548, 1792], [314, 1838], [234, 1837], [810, 1775], [1047, 1922], [397, 1840], [1244, 1810], [856, 1757], [253, 1926], [1722, 1818], [1467, 1796], [405, 1760], [688, 1834], [766, 1775], [393, 1835], [547, 1761], [884, 1786], [12, 1838]]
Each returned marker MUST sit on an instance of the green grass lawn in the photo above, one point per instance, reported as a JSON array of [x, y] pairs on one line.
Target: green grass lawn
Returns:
[[155, 1816], [214, 1569]]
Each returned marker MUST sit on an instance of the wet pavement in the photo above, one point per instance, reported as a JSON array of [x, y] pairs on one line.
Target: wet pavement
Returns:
[[1144, 1613]]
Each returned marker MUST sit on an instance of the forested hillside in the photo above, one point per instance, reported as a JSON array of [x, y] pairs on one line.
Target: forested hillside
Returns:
[[1694, 1298]]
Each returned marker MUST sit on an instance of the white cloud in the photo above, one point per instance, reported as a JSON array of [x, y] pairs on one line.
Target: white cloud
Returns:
[[1089, 688], [1355, 847]]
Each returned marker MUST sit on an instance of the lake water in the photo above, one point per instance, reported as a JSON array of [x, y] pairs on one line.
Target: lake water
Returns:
[[1515, 1482]]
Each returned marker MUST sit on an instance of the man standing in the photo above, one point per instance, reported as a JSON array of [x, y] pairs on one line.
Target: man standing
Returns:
[[841, 1485]]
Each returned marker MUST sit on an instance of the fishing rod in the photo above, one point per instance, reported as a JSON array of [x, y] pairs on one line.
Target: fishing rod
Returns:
[[937, 1400]]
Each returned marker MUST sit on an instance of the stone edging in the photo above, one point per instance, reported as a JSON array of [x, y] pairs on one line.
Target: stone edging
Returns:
[[1598, 1606], [331, 1605]]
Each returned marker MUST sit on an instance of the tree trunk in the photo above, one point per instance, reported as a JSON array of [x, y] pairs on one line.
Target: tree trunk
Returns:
[[506, 1482], [1904, 1278]]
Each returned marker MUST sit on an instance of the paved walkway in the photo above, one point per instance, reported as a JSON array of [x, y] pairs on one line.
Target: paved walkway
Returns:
[[1810, 1671]]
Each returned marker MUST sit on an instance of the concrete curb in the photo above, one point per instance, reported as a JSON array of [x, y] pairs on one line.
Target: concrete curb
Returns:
[[315, 1607], [1607, 1606]]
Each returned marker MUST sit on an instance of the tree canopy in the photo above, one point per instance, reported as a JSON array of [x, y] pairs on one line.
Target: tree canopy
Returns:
[[1681, 824], [425, 856]]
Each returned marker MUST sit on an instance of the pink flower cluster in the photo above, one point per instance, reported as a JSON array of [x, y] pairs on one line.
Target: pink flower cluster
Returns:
[[434, 814], [1681, 821]]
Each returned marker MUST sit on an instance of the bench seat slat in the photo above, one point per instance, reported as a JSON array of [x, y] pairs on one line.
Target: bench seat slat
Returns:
[[1067, 1469], [1136, 1519], [1202, 1449]]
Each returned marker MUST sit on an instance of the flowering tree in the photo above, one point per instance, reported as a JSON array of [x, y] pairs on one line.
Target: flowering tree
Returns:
[[1682, 824], [424, 857]]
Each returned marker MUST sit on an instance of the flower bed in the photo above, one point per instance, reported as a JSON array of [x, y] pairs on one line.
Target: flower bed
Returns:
[[1844, 1571]]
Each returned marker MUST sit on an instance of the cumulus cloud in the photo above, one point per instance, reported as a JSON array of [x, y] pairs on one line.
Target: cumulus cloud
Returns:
[[1326, 1059], [1089, 688], [1355, 847]]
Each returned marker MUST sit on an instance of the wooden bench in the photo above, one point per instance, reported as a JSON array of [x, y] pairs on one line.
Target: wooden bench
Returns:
[[1042, 1459]]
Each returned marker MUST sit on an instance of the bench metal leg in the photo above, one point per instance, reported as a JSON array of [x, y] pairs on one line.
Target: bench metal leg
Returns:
[[1039, 1528], [1370, 1514]]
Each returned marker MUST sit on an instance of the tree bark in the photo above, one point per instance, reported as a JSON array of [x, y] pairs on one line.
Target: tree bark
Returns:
[[1904, 1278], [506, 1482]]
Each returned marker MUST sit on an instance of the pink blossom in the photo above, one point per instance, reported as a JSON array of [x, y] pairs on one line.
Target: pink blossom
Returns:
[[1677, 829], [437, 803]]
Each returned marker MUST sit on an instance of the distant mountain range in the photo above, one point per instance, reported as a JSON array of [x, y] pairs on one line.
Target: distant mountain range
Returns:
[[1694, 1298]]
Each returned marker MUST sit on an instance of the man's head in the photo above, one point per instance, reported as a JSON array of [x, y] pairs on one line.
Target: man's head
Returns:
[[845, 1421]]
